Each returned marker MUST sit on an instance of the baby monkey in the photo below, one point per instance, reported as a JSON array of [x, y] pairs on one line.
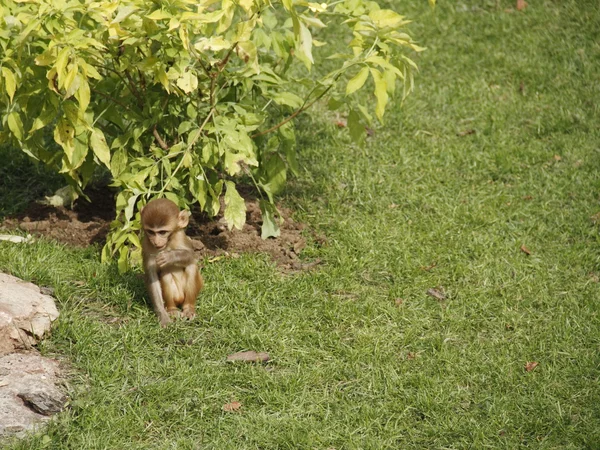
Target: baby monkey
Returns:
[[172, 276]]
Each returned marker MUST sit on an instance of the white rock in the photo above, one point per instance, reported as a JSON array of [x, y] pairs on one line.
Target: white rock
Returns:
[[25, 314], [28, 386]]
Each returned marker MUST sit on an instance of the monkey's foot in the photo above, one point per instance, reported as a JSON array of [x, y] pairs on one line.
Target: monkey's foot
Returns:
[[174, 313], [189, 312]]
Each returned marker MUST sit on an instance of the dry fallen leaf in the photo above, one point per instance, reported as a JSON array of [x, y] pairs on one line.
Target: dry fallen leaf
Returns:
[[530, 366], [232, 406], [525, 250], [429, 267], [521, 5], [411, 355], [250, 356], [596, 218], [437, 293], [557, 158], [399, 301]]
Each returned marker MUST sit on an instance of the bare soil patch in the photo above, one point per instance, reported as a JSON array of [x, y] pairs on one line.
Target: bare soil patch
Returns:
[[89, 222]]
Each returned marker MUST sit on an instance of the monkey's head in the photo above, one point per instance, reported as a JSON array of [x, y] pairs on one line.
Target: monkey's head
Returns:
[[160, 219]]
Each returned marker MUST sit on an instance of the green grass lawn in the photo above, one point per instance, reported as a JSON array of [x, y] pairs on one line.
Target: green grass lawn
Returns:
[[498, 147]]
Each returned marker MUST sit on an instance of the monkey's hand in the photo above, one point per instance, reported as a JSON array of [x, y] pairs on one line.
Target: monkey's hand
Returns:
[[164, 320], [165, 258]]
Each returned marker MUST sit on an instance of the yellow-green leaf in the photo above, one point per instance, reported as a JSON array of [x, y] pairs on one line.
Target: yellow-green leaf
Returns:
[[83, 95], [45, 59], [184, 36], [380, 93], [123, 13], [90, 71], [386, 18], [357, 81], [15, 124], [247, 51], [214, 43], [164, 80], [64, 133], [10, 82], [247, 4], [100, 147], [288, 98], [235, 207], [316, 7], [159, 14], [188, 82], [305, 46], [270, 226], [60, 65]]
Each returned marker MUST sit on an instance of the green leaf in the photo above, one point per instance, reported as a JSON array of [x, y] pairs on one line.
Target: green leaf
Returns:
[[273, 176], [100, 147], [199, 189], [10, 82], [122, 262], [357, 81], [270, 225], [46, 116], [287, 98], [235, 207], [15, 124], [357, 130]]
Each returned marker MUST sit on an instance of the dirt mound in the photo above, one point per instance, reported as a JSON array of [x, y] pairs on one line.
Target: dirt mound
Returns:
[[89, 222]]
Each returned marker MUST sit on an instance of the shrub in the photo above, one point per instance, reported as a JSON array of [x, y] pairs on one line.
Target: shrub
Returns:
[[180, 98]]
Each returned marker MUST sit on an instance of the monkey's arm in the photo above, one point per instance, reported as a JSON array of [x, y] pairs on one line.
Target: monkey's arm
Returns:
[[180, 258], [155, 292]]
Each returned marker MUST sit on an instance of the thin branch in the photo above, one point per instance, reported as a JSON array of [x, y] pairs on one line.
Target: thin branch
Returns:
[[190, 145], [294, 114], [134, 90], [221, 65], [159, 139], [115, 101]]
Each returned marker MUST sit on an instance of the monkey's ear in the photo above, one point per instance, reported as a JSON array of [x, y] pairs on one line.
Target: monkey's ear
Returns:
[[183, 218]]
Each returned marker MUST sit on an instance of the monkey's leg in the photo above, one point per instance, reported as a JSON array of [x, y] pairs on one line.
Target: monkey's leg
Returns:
[[171, 293], [192, 287]]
